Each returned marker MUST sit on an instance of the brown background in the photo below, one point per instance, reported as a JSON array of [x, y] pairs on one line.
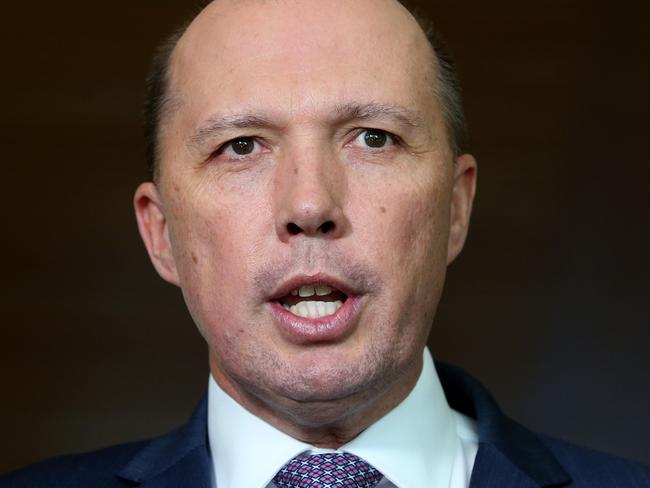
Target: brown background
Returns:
[[548, 304]]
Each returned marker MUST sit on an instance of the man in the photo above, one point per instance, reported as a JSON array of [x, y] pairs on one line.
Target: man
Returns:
[[309, 190]]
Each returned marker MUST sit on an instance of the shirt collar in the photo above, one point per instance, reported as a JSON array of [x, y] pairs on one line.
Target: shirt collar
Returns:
[[414, 443], [246, 451]]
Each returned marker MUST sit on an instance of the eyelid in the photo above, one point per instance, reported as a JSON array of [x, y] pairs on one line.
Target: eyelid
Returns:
[[395, 139], [228, 144]]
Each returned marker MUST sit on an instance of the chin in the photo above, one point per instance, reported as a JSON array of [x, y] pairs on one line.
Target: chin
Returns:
[[332, 376], [322, 402], [324, 388]]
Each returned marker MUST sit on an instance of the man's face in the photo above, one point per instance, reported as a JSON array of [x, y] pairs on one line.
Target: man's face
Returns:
[[306, 154]]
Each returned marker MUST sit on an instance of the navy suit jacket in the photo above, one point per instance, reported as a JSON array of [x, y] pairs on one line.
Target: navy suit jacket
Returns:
[[509, 455]]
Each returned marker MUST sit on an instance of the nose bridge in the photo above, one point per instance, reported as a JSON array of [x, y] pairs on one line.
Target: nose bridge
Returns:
[[309, 192]]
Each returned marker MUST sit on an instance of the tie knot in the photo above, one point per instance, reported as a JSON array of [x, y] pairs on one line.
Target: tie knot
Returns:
[[330, 470]]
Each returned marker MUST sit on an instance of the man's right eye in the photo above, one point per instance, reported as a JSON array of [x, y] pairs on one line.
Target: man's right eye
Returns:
[[240, 149]]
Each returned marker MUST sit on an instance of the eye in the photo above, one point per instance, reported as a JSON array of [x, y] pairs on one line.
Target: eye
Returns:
[[242, 146], [375, 138]]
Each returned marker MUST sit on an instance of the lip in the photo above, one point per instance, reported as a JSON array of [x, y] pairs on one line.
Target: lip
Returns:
[[303, 330], [333, 328], [315, 279]]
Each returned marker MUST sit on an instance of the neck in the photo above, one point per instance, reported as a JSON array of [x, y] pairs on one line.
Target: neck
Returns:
[[323, 424]]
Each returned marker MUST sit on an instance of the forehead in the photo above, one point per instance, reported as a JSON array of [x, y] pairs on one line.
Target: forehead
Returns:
[[300, 57]]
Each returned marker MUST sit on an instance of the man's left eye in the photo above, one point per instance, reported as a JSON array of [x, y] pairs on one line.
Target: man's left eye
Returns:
[[242, 146], [375, 138]]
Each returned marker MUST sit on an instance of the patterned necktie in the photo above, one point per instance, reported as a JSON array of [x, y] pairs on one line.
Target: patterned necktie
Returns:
[[331, 470]]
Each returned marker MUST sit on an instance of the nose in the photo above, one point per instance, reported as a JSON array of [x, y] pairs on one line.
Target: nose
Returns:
[[309, 195]]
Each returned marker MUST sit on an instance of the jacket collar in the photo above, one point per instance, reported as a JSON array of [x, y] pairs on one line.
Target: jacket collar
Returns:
[[507, 451], [506, 448], [180, 458]]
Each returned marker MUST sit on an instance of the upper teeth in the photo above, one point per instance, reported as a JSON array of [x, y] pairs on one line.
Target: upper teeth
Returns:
[[314, 310], [311, 290]]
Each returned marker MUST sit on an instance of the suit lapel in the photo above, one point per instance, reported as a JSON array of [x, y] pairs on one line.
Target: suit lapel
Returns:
[[180, 458], [509, 455], [493, 470]]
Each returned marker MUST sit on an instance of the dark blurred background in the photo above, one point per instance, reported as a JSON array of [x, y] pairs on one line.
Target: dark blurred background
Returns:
[[547, 305]]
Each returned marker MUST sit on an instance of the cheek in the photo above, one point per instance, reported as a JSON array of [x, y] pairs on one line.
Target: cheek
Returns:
[[405, 225], [215, 228], [419, 242], [214, 255]]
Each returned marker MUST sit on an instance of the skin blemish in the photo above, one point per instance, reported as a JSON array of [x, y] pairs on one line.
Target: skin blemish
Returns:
[[195, 259], [295, 171], [382, 209]]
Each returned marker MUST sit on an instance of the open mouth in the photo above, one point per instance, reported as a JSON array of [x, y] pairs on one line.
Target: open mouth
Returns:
[[313, 301]]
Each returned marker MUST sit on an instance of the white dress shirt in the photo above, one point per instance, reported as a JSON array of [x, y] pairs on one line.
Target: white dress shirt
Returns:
[[420, 443]]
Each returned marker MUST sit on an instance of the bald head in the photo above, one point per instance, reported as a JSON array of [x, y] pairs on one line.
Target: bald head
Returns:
[[296, 36]]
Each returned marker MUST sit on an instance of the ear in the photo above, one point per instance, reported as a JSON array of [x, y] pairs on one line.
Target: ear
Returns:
[[152, 224], [461, 204]]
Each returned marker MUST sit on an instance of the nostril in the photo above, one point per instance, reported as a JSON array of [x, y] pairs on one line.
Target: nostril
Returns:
[[293, 229], [327, 226], [324, 228]]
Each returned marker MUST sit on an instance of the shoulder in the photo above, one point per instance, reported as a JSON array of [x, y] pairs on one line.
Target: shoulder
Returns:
[[509, 452], [591, 468], [97, 469], [175, 457]]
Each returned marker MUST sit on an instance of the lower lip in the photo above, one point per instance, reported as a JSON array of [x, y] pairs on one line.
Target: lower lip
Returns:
[[332, 328]]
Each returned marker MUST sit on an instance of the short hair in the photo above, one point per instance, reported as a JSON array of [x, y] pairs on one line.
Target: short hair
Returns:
[[157, 98], [157, 101]]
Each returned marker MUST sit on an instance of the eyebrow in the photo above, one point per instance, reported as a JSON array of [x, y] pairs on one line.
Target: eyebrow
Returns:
[[215, 124], [343, 113], [368, 111]]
